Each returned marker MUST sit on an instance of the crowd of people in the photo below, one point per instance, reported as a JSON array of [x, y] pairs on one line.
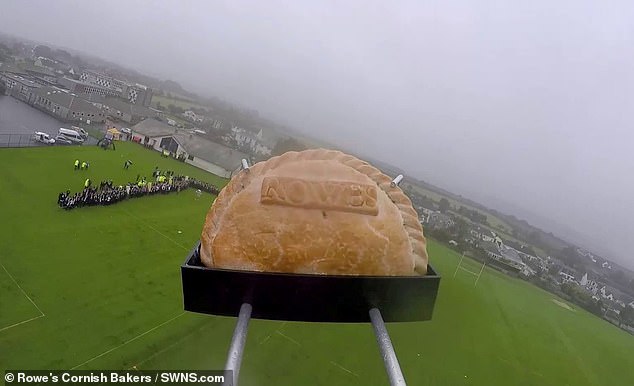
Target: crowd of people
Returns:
[[107, 193]]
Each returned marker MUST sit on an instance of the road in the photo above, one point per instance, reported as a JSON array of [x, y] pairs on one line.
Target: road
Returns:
[[21, 121]]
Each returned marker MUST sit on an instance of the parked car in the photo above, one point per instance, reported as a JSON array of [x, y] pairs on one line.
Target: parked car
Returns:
[[71, 135], [82, 132], [43, 137], [61, 140]]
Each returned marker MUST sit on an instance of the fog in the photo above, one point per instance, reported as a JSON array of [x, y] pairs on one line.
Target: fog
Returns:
[[523, 106]]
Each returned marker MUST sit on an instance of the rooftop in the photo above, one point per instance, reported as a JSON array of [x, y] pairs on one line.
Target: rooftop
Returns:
[[490, 246], [66, 99], [210, 151], [21, 79], [153, 128], [511, 254], [126, 107]]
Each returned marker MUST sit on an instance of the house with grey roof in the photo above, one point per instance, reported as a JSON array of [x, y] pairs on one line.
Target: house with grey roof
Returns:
[[502, 257], [491, 249], [511, 257], [188, 147], [125, 111], [66, 106], [19, 86]]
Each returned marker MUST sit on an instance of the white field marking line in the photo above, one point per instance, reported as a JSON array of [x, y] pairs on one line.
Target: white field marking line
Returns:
[[134, 367], [344, 369], [289, 338], [471, 272], [166, 348], [16, 283], [265, 339], [269, 335], [128, 341], [157, 231], [41, 315], [22, 322]]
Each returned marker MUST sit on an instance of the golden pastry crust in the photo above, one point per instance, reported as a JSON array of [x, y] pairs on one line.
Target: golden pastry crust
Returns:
[[317, 212]]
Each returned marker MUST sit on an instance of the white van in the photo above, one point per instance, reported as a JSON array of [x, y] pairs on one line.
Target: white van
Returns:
[[81, 131], [71, 135]]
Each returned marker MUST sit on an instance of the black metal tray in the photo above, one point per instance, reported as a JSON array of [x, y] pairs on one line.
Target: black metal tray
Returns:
[[308, 298]]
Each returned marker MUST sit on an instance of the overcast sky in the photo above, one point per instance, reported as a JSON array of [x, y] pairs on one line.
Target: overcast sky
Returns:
[[524, 106]]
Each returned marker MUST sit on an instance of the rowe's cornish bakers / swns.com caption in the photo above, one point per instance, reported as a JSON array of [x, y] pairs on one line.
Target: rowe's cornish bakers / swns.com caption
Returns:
[[112, 377]]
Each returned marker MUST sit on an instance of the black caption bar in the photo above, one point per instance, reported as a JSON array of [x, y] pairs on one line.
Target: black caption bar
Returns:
[[116, 377]]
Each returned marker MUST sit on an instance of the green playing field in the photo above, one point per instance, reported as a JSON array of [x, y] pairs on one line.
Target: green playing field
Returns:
[[99, 288]]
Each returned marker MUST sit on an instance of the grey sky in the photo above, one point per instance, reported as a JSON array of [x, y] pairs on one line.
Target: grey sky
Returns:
[[524, 106]]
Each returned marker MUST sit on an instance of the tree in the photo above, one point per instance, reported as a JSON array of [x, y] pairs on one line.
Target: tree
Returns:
[[534, 237], [627, 316], [444, 205], [286, 145], [175, 109], [570, 256], [619, 277], [63, 56], [43, 50], [554, 270]]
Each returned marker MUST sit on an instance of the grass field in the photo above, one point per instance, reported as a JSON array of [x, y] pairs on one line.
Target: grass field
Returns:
[[494, 221], [99, 288], [165, 101]]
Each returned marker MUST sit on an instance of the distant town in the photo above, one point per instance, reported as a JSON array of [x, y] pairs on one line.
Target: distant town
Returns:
[[214, 136]]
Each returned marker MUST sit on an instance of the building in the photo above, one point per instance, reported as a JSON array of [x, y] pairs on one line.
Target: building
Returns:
[[512, 258], [124, 111], [440, 220], [19, 87], [251, 141], [605, 293], [192, 116], [136, 94], [66, 106], [502, 258], [491, 249], [424, 214], [527, 271], [81, 87], [147, 131], [567, 277], [481, 233], [592, 287], [216, 124], [192, 149], [584, 280]]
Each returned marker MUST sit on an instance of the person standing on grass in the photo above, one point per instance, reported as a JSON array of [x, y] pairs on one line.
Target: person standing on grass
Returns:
[[76, 164], [83, 165], [87, 183]]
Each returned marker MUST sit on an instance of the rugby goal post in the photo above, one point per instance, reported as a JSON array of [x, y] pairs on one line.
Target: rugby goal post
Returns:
[[476, 274]]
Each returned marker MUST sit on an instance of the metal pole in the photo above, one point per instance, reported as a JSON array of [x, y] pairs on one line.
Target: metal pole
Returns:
[[236, 350], [392, 367]]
